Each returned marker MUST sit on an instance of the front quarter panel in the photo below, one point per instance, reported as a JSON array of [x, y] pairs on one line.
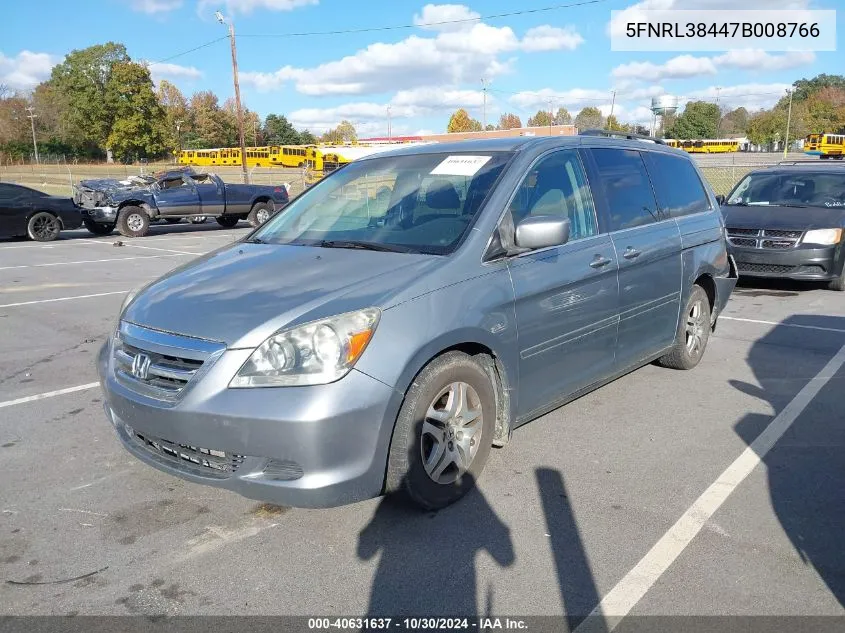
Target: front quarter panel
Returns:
[[477, 311]]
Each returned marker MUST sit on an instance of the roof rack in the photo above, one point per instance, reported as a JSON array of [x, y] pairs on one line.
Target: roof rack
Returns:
[[811, 161], [617, 134]]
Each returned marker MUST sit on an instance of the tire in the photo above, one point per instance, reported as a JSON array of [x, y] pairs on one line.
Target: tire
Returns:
[[261, 212], [133, 221], [227, 221], [43, 227], [693, 333], [417, 436], [173, 220], [838, 284], [98, 229]]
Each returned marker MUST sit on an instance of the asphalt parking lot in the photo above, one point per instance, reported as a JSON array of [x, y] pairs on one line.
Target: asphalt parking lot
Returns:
[[719, 491]]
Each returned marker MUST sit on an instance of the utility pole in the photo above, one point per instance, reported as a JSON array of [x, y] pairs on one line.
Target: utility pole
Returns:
[[31, 116], [231, 26], [179, 136], [612, 104], [484, 104], [719, 113], [788, 122], [389, 131]]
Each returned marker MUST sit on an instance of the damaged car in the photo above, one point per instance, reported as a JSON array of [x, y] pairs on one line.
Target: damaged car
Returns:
[[131, 205]]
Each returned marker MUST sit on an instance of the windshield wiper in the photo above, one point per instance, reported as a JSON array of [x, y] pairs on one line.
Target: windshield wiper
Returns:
[[255, 240], [369, 246], [790, 204], [737, 204]]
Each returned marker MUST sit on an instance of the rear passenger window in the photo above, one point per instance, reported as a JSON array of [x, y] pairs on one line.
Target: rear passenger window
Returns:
[[556, 185], [629, 195], [677, 185]]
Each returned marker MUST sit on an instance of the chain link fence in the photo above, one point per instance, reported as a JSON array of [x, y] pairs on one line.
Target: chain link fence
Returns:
[[722, 171]]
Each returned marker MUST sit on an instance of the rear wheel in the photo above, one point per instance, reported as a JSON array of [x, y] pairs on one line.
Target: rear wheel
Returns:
[[260, 213], [693, 333], [43, 227], [444, 432], [227, 221], [133, 221], [97, 228]]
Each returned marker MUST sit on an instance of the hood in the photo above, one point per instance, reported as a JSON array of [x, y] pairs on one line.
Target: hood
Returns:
[[774, 217], [112, 184], [243, 293]]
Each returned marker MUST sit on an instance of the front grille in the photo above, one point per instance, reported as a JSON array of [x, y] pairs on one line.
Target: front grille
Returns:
[[777, 239], [764, 268], [207, 461], [157, 364]]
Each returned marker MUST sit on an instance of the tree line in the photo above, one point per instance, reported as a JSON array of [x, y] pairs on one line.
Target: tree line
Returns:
[[588, 118], [99, 103]]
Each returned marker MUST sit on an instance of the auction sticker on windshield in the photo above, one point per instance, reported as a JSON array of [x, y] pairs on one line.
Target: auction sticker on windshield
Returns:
[[460, 165]]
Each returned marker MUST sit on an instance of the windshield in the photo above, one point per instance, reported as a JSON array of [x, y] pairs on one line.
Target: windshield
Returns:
[[792, 189], [421, 203]]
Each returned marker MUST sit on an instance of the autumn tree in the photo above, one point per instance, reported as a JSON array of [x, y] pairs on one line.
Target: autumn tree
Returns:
[[177, 119], [461, 121], [345, 132], [540, 119], [589, 118], [734, 123], [562, 117], [509, 121], [208, 123]]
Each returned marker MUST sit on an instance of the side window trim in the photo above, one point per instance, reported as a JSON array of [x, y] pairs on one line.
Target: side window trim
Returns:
[[506, 210]]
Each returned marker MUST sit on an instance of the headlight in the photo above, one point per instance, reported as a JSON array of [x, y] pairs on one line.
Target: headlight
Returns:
[[823, 237], [316, 353]]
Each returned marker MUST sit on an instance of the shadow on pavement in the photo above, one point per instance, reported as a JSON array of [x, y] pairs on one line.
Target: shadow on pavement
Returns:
[[806, 467]]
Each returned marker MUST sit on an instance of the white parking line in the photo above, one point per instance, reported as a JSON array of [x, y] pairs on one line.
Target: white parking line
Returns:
[[49, 394], [796, 325], [89, 261], [167, 250], [629, 591], [29, 303]]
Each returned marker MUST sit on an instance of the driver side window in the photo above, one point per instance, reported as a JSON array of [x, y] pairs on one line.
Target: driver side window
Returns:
[[557, 186]]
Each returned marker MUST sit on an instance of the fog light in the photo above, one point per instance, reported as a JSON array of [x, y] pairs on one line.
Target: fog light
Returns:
[[282, 470]]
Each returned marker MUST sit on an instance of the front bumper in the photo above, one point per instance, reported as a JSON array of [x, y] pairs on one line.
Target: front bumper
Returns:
[[811, 264], [104, 215], [316, 446]]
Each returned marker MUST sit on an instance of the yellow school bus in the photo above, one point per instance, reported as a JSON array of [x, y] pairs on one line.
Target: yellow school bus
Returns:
[[825, 146], [711, 146]]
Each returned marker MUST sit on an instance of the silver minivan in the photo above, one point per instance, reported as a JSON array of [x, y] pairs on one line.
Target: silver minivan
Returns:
[[408, 312]]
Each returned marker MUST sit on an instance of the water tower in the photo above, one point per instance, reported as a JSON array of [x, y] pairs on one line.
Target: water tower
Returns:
[[660, 107]]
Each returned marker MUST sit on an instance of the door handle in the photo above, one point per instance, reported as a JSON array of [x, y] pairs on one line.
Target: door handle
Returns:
[[599, 262], [631, 253]]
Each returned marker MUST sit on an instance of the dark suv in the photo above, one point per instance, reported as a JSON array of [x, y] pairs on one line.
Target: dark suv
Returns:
[[406, 313], [788, 221]]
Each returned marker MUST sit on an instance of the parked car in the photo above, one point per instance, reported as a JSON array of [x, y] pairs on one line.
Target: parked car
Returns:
[[361, 342], [35, 214], [176, 195], [788, 222]]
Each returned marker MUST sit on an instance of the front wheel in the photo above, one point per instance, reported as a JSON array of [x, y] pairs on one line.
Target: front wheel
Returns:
[[43, 227], [133, 221], [838, 284], [443, 433], [227, 221], [693, 333], [260, 213], [98, 229]]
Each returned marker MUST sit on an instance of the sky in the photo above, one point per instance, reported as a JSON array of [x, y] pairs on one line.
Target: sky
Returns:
[[559, 56]]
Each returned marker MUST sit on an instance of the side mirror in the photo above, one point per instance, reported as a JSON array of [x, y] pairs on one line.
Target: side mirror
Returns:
[[542, 231], [720, 199]]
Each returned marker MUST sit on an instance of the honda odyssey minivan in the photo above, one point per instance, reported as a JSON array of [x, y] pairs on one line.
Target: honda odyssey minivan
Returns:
[[409, 311]]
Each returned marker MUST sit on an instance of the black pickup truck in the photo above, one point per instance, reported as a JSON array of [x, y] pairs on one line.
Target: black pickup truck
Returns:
[[180, 194]]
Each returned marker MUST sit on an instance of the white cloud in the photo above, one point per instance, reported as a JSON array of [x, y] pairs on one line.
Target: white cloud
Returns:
[[175, 71], [749, 96], [753, 59], [676, 68], [551, 38], [26, 69], [576, 97], [248, 6], [155, 6], [634, 13], [451, 57], [437, 17]]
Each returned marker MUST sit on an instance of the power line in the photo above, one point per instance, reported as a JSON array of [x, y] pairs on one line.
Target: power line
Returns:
[[423, 24], [190, 50]]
